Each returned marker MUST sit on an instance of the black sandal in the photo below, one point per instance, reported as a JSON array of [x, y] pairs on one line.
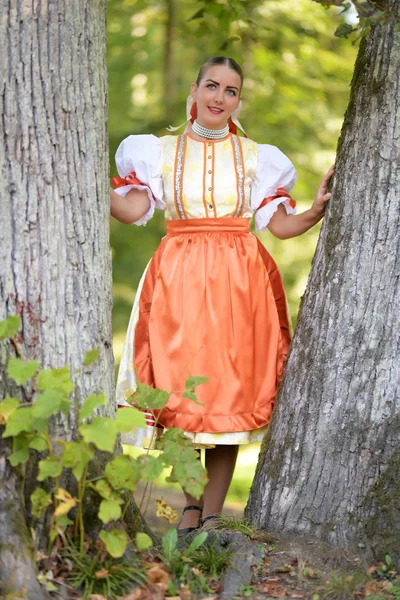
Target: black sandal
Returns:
[[209, 518], [186, 530]]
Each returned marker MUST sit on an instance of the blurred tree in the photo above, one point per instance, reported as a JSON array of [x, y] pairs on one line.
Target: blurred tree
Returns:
[[330, 465]]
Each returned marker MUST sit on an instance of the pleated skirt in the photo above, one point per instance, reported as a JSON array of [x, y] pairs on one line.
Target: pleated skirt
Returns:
[[212, 304]]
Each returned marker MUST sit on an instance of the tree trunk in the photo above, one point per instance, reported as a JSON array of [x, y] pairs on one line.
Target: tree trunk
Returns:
[[55, 267], [330, 466]]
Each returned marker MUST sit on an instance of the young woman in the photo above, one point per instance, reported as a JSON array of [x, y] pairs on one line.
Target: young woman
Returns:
[[211, 302]]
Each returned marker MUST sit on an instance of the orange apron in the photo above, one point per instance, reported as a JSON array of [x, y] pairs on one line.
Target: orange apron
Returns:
[[213, 305]]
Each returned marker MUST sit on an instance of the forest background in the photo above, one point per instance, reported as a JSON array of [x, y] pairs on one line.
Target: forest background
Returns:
[[296, 88]]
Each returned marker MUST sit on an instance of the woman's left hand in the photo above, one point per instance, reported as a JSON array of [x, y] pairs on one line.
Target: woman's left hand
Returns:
[[323, 195]]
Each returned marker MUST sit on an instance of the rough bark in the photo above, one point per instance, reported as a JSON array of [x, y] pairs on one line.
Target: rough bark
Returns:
[[330, 465], [55, 268]]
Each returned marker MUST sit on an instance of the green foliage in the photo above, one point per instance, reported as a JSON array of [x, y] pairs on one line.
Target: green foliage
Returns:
[[91, 357], [21, 371], [102, 432], [115, 541], [28, 428], [180, 563], [107, 577], [89, 405], [213, 561], [40, 501], [148, 398], [143, 541], [9, 327]]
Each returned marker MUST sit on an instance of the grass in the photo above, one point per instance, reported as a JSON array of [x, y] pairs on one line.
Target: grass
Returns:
[[235, 524], [110, 578], [212, 562], [343, 586]]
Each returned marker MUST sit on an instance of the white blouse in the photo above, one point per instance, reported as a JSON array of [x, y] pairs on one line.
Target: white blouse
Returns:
[[191, 179]]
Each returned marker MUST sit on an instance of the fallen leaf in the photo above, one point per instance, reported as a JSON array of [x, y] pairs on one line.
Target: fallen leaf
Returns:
[[102, 574], [371, 569], [157, 575], [136, 595], [274, 590], [185, 593], [284, 569], [97, 597], [375, 587], [163, 510]]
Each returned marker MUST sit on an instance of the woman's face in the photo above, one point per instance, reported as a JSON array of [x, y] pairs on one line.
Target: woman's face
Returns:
[[217, 96]]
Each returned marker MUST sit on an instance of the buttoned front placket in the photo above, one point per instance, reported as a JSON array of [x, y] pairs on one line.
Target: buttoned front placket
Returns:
[[209, 180]]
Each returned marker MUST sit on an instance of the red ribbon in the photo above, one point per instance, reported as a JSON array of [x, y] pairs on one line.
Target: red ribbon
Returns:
[[280, 192], [129, 179]]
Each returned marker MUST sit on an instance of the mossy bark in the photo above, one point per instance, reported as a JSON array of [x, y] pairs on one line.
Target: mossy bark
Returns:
[[329, 466]]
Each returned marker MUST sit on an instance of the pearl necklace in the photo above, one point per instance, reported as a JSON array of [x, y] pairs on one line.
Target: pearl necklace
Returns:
[[213, 134]]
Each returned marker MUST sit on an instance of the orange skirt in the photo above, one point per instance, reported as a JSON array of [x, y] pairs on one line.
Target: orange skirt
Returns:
[[213, 305]]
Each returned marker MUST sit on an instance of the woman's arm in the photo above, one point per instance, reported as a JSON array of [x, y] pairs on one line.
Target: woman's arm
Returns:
[[286, 226], [129, 208]]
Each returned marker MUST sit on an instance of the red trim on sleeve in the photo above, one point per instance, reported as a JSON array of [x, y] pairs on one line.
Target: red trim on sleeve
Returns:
[[129, 179], [280, 192]]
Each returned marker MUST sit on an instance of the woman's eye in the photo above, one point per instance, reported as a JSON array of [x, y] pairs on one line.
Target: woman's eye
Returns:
[[231, 92], [211, 85]]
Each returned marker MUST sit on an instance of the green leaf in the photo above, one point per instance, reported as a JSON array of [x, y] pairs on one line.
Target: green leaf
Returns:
[[143, 541], [128, 419], [7, 407], [20, 453], [48, 403], [196, 543], [21, 371], [49, 467], [149, 398], [77, 456], [192, 396], [63, 521], [102, 432], [40, 501], [9, 327], [151, 467], [197, 15], [56, 379], [102, 488], [122, 473], [39, 443], [115, 541], [110, 510], [91, 357], [89, 405], [169, 542], [344, 30], [192, 382], [19, 420]]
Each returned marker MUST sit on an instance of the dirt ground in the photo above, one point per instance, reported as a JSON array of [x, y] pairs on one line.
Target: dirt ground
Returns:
[[287, 566]]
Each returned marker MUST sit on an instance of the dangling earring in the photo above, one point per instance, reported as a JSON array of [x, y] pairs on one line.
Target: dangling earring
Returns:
[[191, 114]]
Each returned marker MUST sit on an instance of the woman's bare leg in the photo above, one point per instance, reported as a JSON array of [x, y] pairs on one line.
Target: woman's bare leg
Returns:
[[220, 465], [191, 517]]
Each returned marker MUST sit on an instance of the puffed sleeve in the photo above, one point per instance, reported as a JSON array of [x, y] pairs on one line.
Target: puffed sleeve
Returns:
[[138, 160], [275, 177]]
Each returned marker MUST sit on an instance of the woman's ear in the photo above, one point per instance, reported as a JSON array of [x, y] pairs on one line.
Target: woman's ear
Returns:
[[193, 91]]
